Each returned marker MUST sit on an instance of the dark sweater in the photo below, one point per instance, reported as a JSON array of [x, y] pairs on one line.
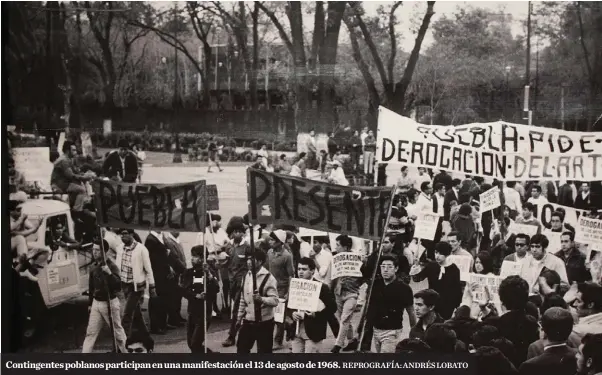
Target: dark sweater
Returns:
[[191, 283], [388, 302], [99, 280], [449, 286]]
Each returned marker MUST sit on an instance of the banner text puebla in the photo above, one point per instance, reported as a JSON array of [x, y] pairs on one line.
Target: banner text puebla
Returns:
[[356, 211], [500, 150], [163, 207]]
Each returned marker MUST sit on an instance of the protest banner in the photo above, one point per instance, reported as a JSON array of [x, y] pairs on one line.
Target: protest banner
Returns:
[[463, 262], [356, 211], [34, 163], [529, 230], [426, 225], [279, 311], [492, 281], [544, 214], [495, 150], [162, 207], [554, 240], [589, 231], [346, 265], [490, 199], [212, 198], [304, 295], [510, 268]]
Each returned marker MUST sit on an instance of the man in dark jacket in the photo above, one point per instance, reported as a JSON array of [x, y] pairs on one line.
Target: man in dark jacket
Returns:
[[159, 259], [200, 301], [121, 164], [557, 358], [104, 284], [312, 325]]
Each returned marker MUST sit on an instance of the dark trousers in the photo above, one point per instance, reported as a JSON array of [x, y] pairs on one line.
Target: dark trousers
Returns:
[[195, 332], [279, 335], [236, 292], [226, 291], [132, 314], [251, 332], [158, 307], [174, 307], [333, 322], [355, 159]]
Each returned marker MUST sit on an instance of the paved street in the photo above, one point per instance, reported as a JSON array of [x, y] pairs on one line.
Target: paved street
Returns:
[[67, 323]]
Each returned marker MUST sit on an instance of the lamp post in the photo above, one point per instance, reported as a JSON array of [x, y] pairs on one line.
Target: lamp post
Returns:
[[507, 100], [177, 156]]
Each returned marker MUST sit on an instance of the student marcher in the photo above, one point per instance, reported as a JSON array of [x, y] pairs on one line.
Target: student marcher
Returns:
[[425, 303], [312, 325], [192, 284], [589, 357], [104, 284], [266, 296], [122, 164], [390, 298]]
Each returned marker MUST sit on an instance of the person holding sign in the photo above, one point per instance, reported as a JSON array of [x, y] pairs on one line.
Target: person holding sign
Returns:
[[266, 296], [444, 278], [390, 298], [540, 259], [192, 285], [312, 325], [346, 292]]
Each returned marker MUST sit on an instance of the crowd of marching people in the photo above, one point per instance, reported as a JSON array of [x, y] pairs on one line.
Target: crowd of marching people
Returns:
[[548, 317]]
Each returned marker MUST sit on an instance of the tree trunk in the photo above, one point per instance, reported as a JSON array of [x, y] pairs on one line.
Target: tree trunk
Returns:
[[328, 60], [301, 79], [207, 57]]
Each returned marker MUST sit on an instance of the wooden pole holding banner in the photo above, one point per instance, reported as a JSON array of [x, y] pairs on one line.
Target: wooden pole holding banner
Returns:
[[364, 316], [253, 274], [106, 286], [502, 204]]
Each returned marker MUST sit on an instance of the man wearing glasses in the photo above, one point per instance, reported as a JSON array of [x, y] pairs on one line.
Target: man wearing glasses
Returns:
[[521, 245]]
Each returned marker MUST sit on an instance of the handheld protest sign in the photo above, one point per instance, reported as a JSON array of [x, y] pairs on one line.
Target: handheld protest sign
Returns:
[[212, 198]]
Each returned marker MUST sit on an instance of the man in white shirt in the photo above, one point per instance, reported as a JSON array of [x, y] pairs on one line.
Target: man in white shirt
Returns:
[[363, 136], [439, 199], [536, 198], [512, 199], [540, 258], [323, 259], [422, 177], [425, 201], [337, 175]]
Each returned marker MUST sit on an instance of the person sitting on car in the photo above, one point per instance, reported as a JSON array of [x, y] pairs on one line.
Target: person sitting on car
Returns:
[[121, 164]]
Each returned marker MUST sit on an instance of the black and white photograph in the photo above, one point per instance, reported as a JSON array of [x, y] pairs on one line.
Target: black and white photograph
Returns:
[[417, 178]]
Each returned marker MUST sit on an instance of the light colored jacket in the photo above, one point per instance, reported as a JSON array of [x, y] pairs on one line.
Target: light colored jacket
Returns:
[[531, 269], [269, 293], [141, 265], [589, 324]]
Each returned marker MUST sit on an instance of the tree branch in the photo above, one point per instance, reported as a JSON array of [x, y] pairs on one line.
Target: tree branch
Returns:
[[363, 67], [393, 37], [278, 26], [582, 40]]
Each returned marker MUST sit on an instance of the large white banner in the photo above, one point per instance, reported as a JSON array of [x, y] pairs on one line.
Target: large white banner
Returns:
[[499, 150], [544, 214], [34, 163]]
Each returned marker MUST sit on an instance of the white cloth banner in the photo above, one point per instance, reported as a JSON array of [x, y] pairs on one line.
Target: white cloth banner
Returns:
[[544, 214], [529, 230], [589, 231], [510, 268], [499, 150], [463, 262]]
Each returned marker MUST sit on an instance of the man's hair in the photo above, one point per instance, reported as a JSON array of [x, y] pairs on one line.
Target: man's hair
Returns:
[[404, 168], [505, 346], [557, 323], [511, 184], [443, 248], [536, 187], [391, 236], [345, 241], [453, 233], [592, 348], [456, 182], [491, 361], [104, 245], [441, 338], [552, 277], [282, 156], [67, 146], [514, 292], [591, 293], [147, 342], [389, 258], [197, 251], [570, 234], [302, 155], [259, 256], [484, 335], [540, 239], [553, 300], [424, 185], [308, 262], [439, 186], [429, 296], [407, 346], [558, 214], [529, 206], [524, 237]]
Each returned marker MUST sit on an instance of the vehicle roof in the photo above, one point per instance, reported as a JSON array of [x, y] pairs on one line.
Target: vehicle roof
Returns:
[[44, 207]]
